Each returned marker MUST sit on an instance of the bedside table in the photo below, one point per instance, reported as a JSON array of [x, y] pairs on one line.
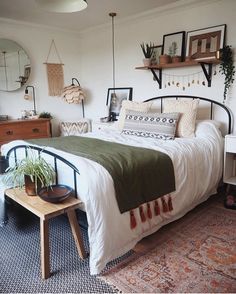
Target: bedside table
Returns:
[[98, 125], [230, 160]]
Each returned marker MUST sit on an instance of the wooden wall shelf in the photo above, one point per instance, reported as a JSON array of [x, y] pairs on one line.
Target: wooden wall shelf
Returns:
[[206, 65]]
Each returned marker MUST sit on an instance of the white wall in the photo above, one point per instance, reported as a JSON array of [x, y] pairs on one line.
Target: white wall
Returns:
[[88, 57]]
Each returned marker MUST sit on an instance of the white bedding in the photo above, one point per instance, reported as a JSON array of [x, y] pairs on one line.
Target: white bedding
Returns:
[[198, 169]]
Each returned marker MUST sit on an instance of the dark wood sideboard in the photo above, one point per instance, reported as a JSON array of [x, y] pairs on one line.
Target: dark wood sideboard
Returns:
[[24, 129]]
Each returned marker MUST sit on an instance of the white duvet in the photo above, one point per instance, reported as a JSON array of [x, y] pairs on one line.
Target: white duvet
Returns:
[[198, 170]]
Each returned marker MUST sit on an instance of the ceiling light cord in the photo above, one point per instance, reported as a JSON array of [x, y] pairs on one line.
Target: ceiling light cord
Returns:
[[113, 14]]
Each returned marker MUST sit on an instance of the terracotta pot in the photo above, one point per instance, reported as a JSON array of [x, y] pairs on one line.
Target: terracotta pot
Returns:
[[147, 61], [164, 59], [176, 59], [30, 187]]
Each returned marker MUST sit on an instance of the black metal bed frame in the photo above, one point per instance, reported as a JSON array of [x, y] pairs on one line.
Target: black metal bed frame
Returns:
[[57, 158], [212, 103]]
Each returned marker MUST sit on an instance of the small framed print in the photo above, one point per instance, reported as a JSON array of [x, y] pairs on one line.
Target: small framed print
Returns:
[[173, 44], [157, 50], [204, 43], [115, 96]]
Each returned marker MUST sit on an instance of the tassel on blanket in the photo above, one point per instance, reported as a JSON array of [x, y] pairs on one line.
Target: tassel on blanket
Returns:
[[164, 205], [133, 222], [142, 215], [170, 206], [156, 208], [149, 212]]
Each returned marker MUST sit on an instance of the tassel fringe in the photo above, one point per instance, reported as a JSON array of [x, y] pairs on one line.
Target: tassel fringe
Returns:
[[170, 206], [133, 222], [156, 208], [149, 212], [164, 205], [142, 215]]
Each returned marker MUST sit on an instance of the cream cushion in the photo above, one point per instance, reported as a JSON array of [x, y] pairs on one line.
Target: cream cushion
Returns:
[[188, 112], [131, 105], [75, 128]]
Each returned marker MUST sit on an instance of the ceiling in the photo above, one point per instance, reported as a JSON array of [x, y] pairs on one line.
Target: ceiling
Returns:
[[97, 12]]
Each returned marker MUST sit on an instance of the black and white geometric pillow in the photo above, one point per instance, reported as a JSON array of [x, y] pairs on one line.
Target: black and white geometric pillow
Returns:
[[152, 125]]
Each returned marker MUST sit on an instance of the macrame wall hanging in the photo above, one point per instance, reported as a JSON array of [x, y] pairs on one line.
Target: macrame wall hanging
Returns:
[[55, 74]]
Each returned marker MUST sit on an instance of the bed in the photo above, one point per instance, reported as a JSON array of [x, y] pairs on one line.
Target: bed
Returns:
[[197, 163]]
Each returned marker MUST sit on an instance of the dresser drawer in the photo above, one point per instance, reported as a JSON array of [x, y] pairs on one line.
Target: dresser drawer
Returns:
[[24, 129]]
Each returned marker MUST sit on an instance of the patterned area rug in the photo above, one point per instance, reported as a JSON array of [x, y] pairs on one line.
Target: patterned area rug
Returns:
[[194, 254]]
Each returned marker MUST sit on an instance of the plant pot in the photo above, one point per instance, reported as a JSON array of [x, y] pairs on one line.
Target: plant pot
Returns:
[[30, 186], [164, 59], [147, 61], [176, 59]]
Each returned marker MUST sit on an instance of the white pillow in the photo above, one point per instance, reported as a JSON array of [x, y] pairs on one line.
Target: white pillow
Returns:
[[131, 105], [75, 128], [188, 112]]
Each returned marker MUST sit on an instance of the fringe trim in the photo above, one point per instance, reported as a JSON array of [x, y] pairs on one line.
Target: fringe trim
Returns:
[[142, 215], [133, 222], [166, 205]]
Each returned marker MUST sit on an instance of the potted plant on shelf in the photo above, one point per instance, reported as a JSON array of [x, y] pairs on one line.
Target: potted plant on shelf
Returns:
[[33, 172], [227, 68], [147, 52], [172, 52]]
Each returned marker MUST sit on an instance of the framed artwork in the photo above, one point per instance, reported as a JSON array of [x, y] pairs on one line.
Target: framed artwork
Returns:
[[204, 43], [115, 96], [173, 44], [155, 55]]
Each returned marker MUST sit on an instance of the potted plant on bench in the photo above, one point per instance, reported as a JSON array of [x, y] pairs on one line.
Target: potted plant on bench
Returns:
[[33, 172]]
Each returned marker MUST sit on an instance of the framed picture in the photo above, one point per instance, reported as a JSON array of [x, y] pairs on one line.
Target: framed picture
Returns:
[[203, 43], [173, 44], [155, 55], [115, 96]]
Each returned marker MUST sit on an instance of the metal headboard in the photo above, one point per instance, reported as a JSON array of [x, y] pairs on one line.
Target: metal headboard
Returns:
[[211, 102]]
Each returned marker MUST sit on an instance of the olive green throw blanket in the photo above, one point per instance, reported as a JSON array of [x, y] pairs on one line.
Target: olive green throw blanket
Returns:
[[139, 174]]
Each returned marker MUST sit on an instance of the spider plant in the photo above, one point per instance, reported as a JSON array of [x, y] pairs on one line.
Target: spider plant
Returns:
[[35, 167]]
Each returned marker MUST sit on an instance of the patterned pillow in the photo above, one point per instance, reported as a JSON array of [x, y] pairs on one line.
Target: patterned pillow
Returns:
[[131, 105], [154, 125], [188, 113], [75, 128]]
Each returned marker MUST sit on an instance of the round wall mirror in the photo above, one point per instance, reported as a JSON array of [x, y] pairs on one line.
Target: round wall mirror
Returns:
[[14, 66]]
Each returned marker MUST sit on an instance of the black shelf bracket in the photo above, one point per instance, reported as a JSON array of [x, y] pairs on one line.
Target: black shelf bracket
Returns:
[[207, 71], [157, 78]]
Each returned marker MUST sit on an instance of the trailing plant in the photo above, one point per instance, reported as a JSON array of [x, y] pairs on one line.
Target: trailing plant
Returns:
[[147, 49], [45, 114], [34, 166], [227, 68]]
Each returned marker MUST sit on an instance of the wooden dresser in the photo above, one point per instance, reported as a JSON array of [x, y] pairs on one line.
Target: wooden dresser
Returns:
[[24, 129]]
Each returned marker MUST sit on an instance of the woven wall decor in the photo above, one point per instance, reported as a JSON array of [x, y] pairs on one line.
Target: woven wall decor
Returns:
[[55, 74]]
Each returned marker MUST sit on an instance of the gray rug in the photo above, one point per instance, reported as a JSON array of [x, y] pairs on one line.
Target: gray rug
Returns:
[[20, 258]]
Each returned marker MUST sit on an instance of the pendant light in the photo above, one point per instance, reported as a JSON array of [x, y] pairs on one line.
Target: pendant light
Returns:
[[112, 15], [62, 6]]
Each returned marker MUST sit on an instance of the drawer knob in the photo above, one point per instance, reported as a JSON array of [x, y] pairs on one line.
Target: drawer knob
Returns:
[[35, 130], [9, 133]]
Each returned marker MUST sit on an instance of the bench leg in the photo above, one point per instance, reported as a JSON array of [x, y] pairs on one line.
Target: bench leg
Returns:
[[45, 254], [76, 233]]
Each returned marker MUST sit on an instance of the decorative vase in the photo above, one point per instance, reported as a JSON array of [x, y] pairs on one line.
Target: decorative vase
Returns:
[[164, 59], [30, 186], [147, 61]]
